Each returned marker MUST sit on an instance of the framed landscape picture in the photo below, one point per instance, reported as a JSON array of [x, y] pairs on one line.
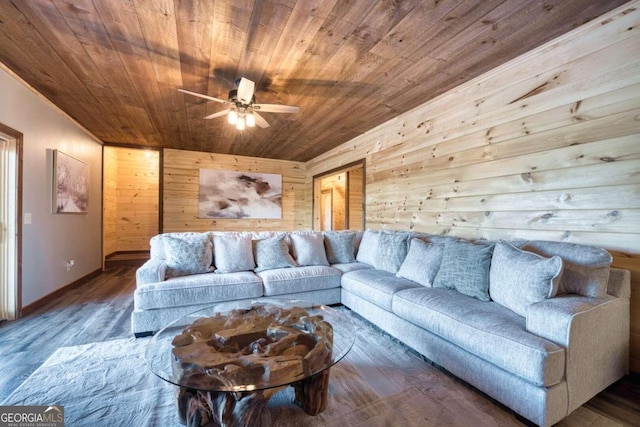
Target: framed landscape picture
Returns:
[[70, 184], [232, 194]]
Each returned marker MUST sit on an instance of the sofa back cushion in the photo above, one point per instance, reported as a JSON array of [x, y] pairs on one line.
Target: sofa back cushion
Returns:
[[384, 250], [422, 262], [368, 249], [392, 250], [519, 278], [340, 246], [308, 249], [188, 253], [272, 253], [586, 268], [233, 253], [157, 247], [465, 267]]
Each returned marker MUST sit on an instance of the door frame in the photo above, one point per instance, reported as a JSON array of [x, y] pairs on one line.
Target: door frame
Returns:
[[316, 220], [18, 137]]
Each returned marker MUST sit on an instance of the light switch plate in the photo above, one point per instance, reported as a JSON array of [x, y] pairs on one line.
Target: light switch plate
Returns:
[[27, 218]]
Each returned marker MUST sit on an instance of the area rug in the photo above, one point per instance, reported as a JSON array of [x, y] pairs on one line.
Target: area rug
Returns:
[[379, 383]]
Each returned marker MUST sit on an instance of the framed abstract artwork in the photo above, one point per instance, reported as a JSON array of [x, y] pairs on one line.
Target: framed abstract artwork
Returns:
[[232, 194], [70, 184]]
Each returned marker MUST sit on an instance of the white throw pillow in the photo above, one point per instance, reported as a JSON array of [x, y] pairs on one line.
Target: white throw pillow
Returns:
[[422, 262], [308, 249], [233, 254], [272, 253], [519, 278], [187, 254]]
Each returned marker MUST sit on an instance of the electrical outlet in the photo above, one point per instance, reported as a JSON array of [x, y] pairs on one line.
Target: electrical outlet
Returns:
[[70, 264]]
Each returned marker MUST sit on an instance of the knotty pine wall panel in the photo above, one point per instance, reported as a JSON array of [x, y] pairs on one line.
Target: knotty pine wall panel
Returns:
[[138, 198], [180, 192], [546, 146], [109, 214], [356, 177], [131, 186]]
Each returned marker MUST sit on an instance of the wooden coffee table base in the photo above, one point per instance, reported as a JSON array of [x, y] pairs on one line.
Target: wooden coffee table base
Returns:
[[200, 408]]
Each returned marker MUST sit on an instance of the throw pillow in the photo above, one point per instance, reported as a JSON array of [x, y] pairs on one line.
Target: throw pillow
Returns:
[[465, 268], [368, 250], [188, 254], [392, 250], [586, 268], [308, 249], [422, 262], [519, 278], [272, 253], [233, 254], [339, 247]]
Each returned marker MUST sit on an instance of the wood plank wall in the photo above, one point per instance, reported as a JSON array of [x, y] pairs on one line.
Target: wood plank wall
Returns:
[[138, 198], [545, 147], [180, 193], [131, 186], [356, 180], [109, 214]]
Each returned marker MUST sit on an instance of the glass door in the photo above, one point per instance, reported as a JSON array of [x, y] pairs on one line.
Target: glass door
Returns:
[[8, 226]]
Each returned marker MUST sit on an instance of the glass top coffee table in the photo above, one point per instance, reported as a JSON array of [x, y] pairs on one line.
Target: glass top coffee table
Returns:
[[228, 360]]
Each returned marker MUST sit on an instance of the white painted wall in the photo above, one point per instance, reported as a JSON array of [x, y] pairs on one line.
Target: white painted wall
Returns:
[[51, 239]]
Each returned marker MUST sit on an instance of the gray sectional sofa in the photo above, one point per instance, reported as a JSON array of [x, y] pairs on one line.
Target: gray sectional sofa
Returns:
[[540, 326]]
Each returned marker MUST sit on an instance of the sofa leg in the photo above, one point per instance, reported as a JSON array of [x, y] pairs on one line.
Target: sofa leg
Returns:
[[142, 334]]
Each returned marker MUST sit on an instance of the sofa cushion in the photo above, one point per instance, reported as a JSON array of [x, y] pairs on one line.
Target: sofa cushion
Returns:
[[308, 249], [299, 279], [368, 249], [519, 278], [586, 268], [352, 266], [340, 246], [422, 262], [233, 253], [465, 268], [272, 253], [375, 286], [188, 254], [156, 247], [486, 330], [198, 289], [392, 250]]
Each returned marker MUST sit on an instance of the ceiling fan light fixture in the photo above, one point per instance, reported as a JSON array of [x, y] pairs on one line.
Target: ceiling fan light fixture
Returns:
[[250, 120], [232, 117], [242, 111], [240, 124]]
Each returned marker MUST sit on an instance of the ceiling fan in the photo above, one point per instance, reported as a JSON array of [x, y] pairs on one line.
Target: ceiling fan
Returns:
[[243, 110]]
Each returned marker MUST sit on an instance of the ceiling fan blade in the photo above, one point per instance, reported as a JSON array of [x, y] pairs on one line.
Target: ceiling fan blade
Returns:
[[200, 95], [260, 121], [218, 114], [276, 108], [245, 90]]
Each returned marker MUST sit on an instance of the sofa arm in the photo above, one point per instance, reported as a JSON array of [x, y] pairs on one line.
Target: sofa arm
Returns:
[[595, 335], [152, 271], [619, 284]]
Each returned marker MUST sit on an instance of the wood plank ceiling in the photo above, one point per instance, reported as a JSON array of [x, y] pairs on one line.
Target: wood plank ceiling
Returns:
[[115, 65]]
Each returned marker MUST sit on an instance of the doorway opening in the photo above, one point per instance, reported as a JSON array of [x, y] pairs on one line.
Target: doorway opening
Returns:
[[131, 205], [10, 224], [338, 198]]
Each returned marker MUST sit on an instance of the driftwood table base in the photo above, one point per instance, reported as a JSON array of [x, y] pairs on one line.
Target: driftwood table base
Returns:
[[226, 362], [225, 409]]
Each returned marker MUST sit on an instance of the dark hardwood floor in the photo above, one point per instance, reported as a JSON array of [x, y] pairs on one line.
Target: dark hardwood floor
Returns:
[[100, 310]]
